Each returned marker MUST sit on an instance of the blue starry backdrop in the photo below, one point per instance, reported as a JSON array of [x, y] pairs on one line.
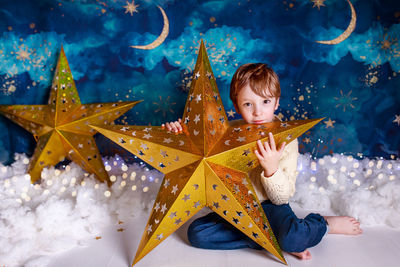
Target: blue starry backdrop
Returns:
[[353, 83]]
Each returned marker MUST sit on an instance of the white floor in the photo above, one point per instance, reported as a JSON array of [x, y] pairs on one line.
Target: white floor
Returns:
[[377, 246]]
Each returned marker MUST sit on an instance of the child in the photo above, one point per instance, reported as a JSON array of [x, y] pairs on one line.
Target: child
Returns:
[[255, 93]]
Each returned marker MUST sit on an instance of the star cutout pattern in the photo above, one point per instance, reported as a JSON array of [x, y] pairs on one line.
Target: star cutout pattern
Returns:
[[62, 127], [212, 167]]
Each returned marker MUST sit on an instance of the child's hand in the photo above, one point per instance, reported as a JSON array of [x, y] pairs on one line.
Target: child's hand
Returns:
[[174, 126], [268, 156]]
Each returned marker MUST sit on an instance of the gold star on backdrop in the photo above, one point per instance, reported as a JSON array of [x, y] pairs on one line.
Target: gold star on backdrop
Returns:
[[207, 165], [318, 3], [131, 8], [397, 119], [231, 113], [345, 100], [61, 128], [329, 123]]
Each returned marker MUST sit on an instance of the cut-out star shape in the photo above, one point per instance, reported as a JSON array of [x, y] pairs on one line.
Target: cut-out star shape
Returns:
[[61, 128], [212, 164]]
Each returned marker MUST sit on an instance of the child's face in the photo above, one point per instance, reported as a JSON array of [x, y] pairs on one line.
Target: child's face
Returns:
[[256, 109]]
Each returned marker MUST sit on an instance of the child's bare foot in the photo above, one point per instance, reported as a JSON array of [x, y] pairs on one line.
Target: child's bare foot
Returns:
[[343, 225], [305, 255]]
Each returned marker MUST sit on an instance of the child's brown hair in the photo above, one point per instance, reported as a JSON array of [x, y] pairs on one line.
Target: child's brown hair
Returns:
[[262, 80]]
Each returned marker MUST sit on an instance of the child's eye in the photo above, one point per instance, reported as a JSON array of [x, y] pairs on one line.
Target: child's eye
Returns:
[[267, 101], [247, 104]]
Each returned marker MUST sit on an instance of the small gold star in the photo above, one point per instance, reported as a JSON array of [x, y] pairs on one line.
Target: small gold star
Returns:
[[98, 237], [231, 113], [397, 120], [280, 116], [345, 100], [318, 3], [131, 7], [23, 53], [307, 140], [387, 43], [329, 123], [164, 106]]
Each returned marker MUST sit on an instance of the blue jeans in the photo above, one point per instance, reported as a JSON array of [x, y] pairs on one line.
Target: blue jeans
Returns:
[[293, 234]]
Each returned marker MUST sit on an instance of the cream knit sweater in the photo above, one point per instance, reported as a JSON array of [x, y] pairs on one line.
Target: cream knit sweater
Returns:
[[281, 185]]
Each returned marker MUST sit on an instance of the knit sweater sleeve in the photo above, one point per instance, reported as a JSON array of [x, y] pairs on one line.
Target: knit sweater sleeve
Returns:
[[281, 185]]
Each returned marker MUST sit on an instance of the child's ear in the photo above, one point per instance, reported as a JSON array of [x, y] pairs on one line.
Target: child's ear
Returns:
[[277, 103]]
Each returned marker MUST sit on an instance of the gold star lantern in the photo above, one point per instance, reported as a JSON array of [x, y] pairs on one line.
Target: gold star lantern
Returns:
[[61, 128], [207, 165]]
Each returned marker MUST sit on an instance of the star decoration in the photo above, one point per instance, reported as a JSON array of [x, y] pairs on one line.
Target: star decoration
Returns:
[[131, 8], [318, 3], [61, 128], [329, 123], [23, 54], [157, 206], [163, 208], [231, 113], [280, 116], [397, 120], [345, 100], [211, 166], [186, 198]]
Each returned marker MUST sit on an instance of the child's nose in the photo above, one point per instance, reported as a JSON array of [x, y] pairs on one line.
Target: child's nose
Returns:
[[256, 110]]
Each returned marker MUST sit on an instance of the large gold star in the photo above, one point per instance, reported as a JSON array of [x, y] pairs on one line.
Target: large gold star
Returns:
[[61, 128], [207, 165]]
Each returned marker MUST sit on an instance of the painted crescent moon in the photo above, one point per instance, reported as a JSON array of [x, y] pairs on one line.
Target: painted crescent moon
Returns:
[[347, 32], [160, 39]]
